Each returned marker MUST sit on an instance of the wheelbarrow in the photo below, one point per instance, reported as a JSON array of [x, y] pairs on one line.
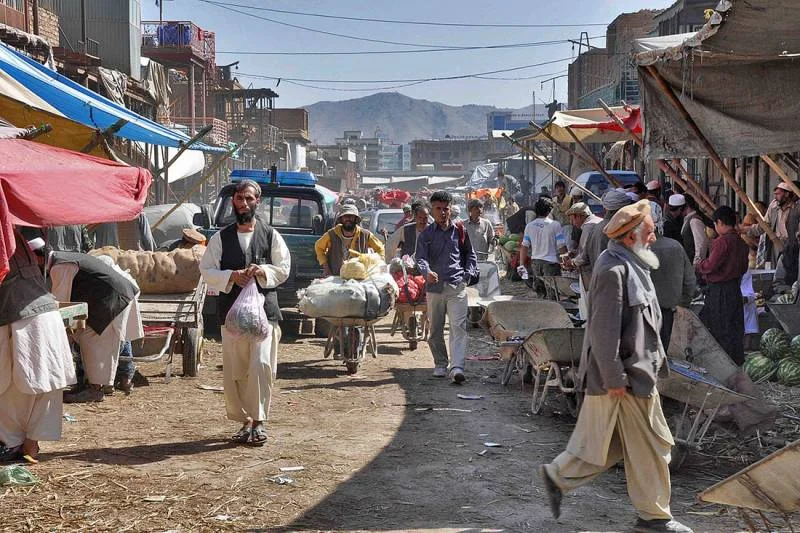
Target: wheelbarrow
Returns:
[[411, 316], [555, 354]]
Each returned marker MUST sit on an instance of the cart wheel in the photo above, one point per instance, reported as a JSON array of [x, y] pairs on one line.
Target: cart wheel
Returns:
[[511, 365], [192, 346], [412, 326], [678, 456], [412, 345], [540, 386], [352, 367], [573, 400]]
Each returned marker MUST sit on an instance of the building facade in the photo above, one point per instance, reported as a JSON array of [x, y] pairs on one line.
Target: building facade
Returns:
[[452, 154]]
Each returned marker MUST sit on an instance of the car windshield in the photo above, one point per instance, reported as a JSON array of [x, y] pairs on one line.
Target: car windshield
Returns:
[[388, 221], [279, 212]]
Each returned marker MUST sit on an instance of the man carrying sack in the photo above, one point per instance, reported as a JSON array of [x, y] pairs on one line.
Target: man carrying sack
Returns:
[[621, 417], [247, 250]]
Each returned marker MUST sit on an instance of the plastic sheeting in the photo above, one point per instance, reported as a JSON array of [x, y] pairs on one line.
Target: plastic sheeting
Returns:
[[45, 186], [86, 107], [738, 77]]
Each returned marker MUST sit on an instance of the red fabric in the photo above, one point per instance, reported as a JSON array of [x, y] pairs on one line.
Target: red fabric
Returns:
[[41, 185], [416, 285], [727, 261], [394, 198], [633, 121]]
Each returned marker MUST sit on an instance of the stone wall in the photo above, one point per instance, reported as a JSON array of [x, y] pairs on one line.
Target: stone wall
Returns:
[[48, 24]]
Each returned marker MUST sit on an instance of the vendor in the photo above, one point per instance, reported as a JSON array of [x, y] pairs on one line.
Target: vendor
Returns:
[[334, 246], [114, 316], [35, 358]]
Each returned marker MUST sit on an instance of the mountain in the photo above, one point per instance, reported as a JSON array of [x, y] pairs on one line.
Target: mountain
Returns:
[[399, 117]]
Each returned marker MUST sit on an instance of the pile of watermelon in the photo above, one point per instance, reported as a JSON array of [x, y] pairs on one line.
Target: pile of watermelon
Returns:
[[510, 242], [779, 359]]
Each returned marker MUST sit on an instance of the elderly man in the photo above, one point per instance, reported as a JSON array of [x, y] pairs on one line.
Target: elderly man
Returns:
[[334, 246], [447, 260], [247, 250], [481, 231], [621, 417], [723, 312], [405, 238], [674, 281], [777, 215], [112, 297], [35, 359]]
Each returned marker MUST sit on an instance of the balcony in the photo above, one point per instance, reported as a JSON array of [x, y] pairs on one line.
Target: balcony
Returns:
[[13, 17], [173, 40]]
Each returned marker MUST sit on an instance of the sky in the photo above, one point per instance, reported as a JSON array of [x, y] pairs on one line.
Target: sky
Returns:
[[238, 29]]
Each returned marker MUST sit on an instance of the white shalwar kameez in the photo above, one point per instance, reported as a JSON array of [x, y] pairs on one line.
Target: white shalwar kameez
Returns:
[[35, 365], [99, 353], [249, 366]]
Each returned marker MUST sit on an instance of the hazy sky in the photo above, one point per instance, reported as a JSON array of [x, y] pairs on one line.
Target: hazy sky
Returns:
[[237, 32]]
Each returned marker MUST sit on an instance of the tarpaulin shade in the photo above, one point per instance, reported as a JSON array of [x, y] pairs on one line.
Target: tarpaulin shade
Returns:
[[84, 106], [45, 186], [738, 77], [590, 126]]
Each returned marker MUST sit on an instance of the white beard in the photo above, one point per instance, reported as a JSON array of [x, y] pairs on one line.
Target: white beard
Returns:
[[647, 256]]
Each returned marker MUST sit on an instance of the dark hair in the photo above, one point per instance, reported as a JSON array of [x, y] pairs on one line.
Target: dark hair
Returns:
[[248, 184], [560, 183], [691, 202], [725, 214], [638, 187], [415, 206], [442, 196], [543, 207]]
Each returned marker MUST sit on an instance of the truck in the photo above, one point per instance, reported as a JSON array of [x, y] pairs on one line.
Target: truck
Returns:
[[298, 208]]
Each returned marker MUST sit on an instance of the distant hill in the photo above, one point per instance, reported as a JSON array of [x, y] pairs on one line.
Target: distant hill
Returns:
[[399, 117]]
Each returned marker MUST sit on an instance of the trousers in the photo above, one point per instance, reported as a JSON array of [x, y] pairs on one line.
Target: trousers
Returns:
[[249, 370], [629, 429], [29, 416], [452, 304]]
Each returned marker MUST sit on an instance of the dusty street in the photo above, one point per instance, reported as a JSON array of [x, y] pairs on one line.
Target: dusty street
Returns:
[[390, 449]]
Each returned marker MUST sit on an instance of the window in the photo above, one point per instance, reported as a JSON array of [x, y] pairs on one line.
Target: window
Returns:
[[279, 212]]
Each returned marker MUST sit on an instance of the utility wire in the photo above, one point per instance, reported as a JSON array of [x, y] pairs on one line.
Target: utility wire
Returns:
[[412, 80], [425, 50], [411, 22]]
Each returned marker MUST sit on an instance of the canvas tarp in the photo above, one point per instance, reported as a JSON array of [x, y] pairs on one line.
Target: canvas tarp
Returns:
[[589, 125], [45, 186], [738, 77]]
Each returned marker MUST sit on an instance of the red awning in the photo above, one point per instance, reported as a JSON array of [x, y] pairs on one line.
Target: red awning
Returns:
[[633, 121], [42, 185]]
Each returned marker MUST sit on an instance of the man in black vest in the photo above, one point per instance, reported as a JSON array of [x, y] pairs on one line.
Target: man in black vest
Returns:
[[113, 315], [247, 250], [35, 358], [405, 238]]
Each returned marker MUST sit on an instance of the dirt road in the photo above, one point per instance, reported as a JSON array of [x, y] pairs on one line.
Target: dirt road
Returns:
[[390, 449]]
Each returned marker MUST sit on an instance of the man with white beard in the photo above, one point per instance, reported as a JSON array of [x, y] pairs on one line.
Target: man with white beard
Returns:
[[621, 416]]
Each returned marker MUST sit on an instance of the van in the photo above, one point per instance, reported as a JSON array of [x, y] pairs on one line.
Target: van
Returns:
[[598, 184]]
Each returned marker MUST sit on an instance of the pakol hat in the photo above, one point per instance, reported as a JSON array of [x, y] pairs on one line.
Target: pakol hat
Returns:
[[653, 185], [348, 210], [677, 200], [627, 218], [579, 208]]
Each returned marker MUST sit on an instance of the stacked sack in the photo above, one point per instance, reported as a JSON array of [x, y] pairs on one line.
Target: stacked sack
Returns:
[[364, 289], [414, 284], [172, 272], [779, 359]]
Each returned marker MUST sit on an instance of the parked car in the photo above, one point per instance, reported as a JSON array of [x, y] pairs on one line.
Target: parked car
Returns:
[[598, 184], [381, 219]]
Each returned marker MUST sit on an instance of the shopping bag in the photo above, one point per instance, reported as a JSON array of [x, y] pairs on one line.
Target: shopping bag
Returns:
[[247, 316]]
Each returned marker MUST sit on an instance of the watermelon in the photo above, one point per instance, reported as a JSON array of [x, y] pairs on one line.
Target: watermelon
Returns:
[[776, 344], [511, 246], [514, 237], [795, 346], [789, 372], [502, 240], [759, 367]]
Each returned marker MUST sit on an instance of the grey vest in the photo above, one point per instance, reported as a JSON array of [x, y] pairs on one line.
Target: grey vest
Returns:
[[409, 245], [23, 293], [259, 253], [337, 252]]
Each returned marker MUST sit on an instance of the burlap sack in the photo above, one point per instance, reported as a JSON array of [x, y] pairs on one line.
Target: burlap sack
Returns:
[[159, 272]]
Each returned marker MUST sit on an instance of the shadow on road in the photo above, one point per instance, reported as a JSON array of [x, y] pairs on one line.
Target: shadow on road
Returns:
[[143, 453]]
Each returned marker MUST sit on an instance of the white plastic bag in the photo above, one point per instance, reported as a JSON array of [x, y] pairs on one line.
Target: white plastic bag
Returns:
[[247, 316]]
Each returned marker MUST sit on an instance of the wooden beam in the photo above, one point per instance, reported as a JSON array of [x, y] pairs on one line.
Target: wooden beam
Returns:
[[595, 163], [726, 174], [780, 172], [703, 197]]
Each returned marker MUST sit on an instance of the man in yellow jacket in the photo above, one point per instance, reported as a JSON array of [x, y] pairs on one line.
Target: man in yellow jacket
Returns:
[[333, 248]]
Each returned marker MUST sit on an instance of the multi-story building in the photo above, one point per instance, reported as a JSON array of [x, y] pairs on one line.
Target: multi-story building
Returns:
[[512, 121], [334, 165], [463, 153], [373, 153], [684, 16]]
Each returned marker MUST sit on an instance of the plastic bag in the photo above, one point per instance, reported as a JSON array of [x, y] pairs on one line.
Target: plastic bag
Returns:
[[17, 475], [247, 315], [353, 269]]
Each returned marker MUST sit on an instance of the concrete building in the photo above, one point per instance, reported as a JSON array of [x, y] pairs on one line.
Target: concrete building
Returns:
[[512, 121], [683, 16], [373, 153], [453, 153], [334, 165]]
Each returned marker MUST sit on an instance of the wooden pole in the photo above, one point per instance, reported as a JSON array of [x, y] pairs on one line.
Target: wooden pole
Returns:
[[555, 169], [726, 174], [705, 198], [595, 163], [589, 161], [185, 146], [780, 172], [695, 193]]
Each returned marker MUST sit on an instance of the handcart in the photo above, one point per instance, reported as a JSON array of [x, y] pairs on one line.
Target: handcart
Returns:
[[510, 323], [767, 485], [555, 354], [173, 323], [411, 316], [347, 332]]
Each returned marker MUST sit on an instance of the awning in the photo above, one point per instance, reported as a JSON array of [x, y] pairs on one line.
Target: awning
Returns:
[[589, 125], [81, 105], [45, 186], [738, 77]]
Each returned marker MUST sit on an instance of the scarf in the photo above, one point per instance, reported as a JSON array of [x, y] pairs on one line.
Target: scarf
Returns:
[[638, 284]]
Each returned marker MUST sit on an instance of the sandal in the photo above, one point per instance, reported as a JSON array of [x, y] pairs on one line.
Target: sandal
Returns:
[[8, 455], [241, 436], [258, 436]]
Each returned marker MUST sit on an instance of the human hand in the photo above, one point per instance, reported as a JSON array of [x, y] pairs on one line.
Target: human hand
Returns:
[[617, 393], [433, 277], [241, 277]]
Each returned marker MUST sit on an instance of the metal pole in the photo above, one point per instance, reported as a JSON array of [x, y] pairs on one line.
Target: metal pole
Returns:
[[83, 25], [668, 92]]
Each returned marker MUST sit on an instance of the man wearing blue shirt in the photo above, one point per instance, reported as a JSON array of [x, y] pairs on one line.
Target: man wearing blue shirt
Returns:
[[446, 259]]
